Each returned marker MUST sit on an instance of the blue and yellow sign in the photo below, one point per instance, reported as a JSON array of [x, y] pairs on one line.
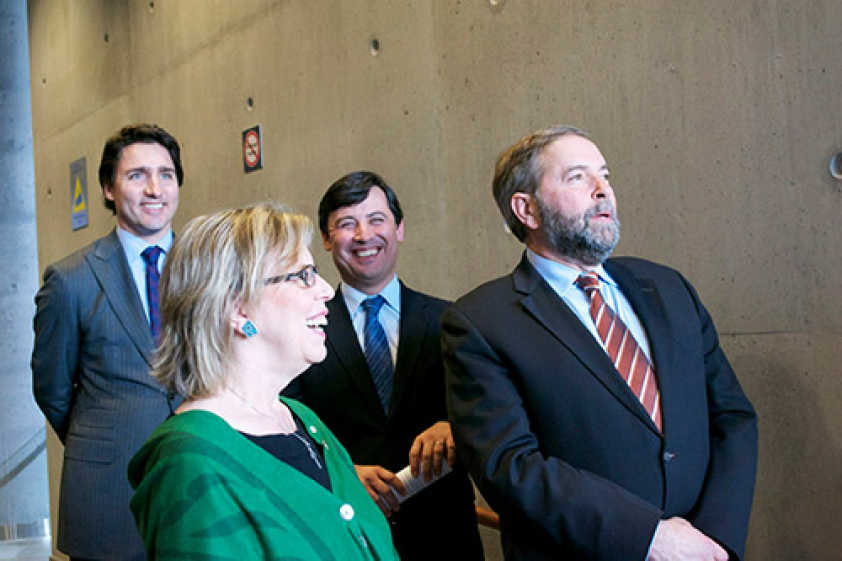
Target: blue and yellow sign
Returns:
[[78, 194]]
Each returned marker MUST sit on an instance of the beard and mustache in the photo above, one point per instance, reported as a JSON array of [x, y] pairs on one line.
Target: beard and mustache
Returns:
[[575, 237]]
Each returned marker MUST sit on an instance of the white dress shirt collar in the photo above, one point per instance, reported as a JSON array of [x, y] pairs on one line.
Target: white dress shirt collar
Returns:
[[391, 293]]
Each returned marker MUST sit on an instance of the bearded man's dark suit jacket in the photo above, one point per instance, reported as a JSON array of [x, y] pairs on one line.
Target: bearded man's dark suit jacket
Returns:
[[560, 446], [440, 522], [90, 369]]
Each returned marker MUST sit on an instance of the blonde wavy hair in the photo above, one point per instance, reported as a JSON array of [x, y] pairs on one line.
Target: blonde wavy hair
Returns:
[[217, 262]]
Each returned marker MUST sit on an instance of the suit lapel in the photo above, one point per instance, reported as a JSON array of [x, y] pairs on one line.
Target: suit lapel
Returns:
[[548, 309], [647, 304], [343, 342], [414, 324], [111, 270]]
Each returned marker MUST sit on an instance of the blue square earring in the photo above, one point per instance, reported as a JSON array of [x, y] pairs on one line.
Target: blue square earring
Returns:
[[249, 329]]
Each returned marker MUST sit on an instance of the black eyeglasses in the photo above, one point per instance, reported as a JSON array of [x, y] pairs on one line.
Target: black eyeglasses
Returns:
[[307, 275]]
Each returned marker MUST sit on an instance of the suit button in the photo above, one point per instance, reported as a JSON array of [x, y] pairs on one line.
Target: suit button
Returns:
[[668, 456], [346, 511]]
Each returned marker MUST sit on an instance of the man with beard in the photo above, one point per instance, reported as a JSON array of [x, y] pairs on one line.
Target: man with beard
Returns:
[[588, 396]]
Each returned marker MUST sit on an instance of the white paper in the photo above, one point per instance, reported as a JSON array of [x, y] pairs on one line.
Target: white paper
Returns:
[[415, 484]]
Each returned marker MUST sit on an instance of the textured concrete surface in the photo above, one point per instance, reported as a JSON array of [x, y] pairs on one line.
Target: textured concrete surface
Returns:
[[33, 549], [23, 467], [717, 119]]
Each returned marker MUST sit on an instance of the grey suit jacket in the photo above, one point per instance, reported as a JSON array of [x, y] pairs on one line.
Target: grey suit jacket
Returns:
[[90, 373]]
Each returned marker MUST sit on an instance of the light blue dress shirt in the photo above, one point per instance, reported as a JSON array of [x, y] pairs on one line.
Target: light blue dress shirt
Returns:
[[133, 247], [390, 313], [562, 279]]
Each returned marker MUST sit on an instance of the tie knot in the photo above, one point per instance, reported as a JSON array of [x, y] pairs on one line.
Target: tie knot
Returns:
[[372, 305], [150, 255], [588, 281]]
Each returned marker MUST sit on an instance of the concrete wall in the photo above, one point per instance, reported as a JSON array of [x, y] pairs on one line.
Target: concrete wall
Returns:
[[24, 502], [717, 118]]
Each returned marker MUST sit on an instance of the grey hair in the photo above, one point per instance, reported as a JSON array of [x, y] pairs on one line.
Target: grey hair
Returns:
[[519, 170]]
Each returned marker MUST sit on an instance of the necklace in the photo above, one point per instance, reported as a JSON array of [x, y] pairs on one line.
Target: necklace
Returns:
[[247, 403], [313, 455]]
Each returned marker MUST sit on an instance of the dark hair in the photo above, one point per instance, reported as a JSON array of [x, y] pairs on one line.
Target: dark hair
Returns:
[[131, 134], [352, 189], [519, 170]]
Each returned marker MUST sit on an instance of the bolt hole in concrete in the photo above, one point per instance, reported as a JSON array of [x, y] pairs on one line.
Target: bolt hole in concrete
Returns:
[[374, 46], [836, 166], [249, 103], [152, 6]]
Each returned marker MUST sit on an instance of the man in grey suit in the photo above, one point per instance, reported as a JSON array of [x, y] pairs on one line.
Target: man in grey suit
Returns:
[[95, 326]]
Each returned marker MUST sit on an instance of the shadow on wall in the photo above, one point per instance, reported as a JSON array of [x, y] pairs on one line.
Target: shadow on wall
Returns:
[[799, 405]]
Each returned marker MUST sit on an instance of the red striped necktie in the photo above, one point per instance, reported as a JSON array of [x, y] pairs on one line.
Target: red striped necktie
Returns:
[[627, 356]]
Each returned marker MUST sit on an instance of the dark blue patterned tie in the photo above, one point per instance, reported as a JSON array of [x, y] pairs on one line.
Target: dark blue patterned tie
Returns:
[[377, 351], [150, 256]]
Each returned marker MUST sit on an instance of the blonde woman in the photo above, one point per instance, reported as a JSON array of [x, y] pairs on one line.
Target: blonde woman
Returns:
[[238, 473]]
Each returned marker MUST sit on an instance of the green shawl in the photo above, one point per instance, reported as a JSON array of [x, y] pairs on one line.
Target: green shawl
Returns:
[[205, 492]]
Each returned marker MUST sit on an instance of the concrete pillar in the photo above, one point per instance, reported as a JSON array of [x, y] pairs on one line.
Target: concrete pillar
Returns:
[[24, 499]]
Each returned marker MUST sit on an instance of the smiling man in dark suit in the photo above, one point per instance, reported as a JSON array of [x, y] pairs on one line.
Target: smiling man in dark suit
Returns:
[[381, 387], [589, 397], [95, 324]]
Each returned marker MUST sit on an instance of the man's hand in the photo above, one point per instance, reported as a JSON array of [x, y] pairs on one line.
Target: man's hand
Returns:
[[378, 481], [429, 448], [677, 540]]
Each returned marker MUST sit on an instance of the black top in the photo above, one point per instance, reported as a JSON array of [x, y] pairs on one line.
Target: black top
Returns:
[[298, 450]]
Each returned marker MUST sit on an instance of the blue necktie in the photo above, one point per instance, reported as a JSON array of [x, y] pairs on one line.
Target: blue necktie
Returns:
[[150, 256], [377, 351]]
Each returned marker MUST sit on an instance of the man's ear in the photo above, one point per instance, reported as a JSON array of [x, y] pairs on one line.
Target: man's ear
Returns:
[[399, 231], [108, 193], [524, 208], [326, 243]]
